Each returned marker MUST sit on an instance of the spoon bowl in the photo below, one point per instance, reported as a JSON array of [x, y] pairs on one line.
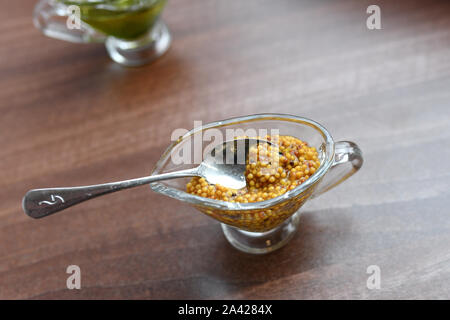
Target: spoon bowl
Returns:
[[226, 163]]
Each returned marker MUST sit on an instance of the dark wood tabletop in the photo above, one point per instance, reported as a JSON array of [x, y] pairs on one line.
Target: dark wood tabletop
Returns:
[[70, 116]]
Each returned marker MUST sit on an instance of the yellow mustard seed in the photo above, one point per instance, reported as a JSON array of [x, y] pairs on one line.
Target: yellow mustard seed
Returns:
[[270, 174]]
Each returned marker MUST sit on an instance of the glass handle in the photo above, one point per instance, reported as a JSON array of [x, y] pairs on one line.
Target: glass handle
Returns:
[[348, 160], [54, 19]]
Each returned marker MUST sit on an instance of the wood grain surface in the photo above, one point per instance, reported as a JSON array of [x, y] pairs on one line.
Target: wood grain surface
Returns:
[[70, 116]]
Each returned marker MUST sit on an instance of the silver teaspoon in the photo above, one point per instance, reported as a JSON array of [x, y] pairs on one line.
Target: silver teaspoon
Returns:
[[225, 165]]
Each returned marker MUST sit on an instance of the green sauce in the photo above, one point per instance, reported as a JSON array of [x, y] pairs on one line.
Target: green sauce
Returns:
[[124, 19]]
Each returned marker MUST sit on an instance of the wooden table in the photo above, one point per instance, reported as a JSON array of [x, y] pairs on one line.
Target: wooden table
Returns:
[[70, 116]]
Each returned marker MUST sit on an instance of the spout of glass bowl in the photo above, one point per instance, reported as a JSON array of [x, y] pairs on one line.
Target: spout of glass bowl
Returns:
[[60, 21]]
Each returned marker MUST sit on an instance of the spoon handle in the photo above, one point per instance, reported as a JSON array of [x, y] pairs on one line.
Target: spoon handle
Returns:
[[38, 203]]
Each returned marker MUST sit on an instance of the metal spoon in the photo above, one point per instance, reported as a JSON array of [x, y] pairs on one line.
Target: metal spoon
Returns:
[[225, 165]]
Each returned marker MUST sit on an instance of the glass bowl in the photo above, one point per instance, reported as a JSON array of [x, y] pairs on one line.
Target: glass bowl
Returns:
[[132, 31], [261, 227]]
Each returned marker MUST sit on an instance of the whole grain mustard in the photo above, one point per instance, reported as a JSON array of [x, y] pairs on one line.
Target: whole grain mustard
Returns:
[[271, 170]]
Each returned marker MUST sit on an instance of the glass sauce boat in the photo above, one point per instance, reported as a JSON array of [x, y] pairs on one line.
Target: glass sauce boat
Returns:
[[262, 227], [132, 30]]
